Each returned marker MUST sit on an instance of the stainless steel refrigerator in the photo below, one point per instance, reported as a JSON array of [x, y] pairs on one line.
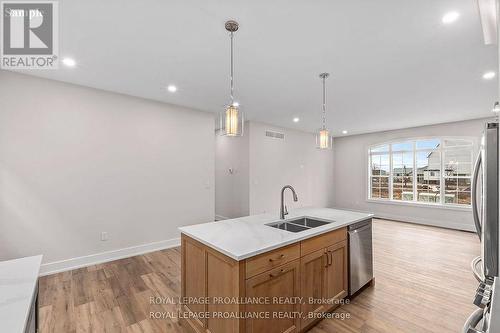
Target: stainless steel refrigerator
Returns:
[[485, 211]]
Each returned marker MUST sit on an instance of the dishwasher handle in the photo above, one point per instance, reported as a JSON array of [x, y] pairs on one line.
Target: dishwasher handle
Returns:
[[368, 226]]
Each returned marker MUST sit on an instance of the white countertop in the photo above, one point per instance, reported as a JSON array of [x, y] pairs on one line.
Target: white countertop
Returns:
[[18, 282], [248, 236]]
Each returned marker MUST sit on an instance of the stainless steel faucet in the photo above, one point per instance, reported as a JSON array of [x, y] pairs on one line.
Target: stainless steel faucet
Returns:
[[283, 209]]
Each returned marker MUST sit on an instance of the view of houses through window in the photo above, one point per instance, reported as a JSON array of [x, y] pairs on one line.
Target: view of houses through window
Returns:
[[434, 171]]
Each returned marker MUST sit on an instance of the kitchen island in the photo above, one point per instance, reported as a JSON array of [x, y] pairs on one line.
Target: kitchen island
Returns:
[[249, 275], [19, 294]]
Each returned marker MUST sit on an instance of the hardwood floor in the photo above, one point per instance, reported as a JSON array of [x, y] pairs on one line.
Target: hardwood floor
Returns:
[[423, 284]]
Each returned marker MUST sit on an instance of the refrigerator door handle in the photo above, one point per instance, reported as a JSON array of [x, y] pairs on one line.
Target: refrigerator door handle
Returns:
[[472, 322], [474, 201], [475, 271]]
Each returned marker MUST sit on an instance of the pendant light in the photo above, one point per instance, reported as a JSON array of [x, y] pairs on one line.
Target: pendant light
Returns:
[[323, 138], [231, 119]]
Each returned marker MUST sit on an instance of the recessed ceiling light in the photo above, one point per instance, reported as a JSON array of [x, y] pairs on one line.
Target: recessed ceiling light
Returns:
[[172, 88], [69, 62], [489, 75], [450, 17], [296, 119], [344, 132]]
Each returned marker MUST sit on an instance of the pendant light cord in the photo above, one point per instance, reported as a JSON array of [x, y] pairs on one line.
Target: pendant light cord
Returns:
[[324, 103], [232, 70]]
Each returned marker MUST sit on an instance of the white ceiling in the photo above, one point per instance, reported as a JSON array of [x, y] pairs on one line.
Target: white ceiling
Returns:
[[393, 63]]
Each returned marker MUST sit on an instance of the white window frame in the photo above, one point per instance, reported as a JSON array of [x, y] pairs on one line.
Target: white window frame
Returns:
[[414, 202]]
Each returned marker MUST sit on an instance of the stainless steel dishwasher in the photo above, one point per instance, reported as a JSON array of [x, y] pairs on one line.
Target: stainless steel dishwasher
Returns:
[[360, 255]]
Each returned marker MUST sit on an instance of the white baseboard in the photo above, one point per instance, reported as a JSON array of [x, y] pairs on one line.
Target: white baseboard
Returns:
[[417, 220], [221, 217], [99, 258], [434, 223]]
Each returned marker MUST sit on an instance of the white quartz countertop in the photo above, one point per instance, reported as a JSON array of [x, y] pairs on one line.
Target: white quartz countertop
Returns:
[[18, 282], [248, 236]]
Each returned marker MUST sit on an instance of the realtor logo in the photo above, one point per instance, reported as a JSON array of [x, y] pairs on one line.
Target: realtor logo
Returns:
[[29, 35]]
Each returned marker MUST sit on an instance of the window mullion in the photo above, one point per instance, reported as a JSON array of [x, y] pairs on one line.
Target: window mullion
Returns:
[[442, 181], [390, 173], [414, 170], [369, 174]]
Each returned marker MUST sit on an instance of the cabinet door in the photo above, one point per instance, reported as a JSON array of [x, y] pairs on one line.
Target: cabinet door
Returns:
[[337, 271], [281, 287], [313, 269]]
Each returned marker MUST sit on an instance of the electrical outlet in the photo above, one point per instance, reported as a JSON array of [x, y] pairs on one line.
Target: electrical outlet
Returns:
[[104, 236]]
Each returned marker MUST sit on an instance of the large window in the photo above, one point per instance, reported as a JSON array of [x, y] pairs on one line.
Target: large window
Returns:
[[433, 171]]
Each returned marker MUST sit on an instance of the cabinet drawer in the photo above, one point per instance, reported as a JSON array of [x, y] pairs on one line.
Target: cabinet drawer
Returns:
[[269, 260], [322, 241]]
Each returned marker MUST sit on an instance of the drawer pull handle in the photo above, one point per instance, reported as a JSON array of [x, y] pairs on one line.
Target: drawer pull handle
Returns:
[[279, 258], [330, 258], [277, 274]]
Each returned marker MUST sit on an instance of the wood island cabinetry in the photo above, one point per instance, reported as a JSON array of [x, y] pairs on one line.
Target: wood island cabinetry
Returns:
[[281, 291]]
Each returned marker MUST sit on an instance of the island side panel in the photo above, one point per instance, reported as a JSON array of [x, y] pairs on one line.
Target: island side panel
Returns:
[[224, 283], [194, 280], [223, 287]]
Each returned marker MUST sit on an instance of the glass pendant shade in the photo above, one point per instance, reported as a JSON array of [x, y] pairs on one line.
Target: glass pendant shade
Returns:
[[323, 139], [231, 121]]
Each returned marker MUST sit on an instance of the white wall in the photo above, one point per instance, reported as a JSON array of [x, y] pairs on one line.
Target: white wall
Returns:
[[295, 161], [76, 161], [231, 189], [351, 175]]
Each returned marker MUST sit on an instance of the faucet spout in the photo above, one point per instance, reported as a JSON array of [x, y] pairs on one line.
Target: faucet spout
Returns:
[[283, 209]]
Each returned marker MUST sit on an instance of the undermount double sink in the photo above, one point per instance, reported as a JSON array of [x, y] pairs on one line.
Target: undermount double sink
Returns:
[[298, 225]]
